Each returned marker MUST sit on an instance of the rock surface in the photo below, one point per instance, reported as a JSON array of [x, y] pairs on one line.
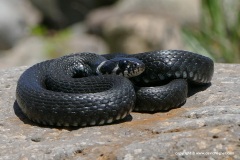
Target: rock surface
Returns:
[[207, 126]]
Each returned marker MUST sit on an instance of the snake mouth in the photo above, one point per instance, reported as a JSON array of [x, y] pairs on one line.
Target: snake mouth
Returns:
[[132, 72]]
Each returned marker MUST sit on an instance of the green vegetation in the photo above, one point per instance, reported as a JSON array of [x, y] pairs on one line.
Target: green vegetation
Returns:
[[218, 35], [39, 30]]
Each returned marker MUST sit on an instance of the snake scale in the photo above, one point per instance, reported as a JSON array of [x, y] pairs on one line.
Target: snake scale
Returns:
[[85, 89]]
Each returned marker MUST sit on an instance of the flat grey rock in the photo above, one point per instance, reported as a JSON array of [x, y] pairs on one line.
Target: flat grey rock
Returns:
[[207, 126]]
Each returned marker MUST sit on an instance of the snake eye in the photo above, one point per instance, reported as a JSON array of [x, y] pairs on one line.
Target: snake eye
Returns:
[[123, 64]]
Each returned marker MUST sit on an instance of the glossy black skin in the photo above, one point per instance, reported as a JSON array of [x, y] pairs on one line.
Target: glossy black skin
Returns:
[[51, 92], [162, 66]]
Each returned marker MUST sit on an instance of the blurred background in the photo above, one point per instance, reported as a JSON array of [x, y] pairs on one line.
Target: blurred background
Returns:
[[34, 30]]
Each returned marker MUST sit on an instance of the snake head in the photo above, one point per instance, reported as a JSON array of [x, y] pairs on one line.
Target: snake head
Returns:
[[130, 67], [127, 67]]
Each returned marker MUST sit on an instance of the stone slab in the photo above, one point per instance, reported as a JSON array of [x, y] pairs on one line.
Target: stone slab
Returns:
[[207, 126]]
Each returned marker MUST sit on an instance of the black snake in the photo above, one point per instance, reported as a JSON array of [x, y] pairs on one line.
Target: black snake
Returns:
[[84, 89]]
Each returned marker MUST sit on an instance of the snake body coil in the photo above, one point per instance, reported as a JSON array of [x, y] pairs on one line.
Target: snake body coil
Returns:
[[74, 91]]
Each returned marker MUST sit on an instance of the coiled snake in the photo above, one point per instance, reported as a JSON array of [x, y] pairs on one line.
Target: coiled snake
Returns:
[[88, 89]]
